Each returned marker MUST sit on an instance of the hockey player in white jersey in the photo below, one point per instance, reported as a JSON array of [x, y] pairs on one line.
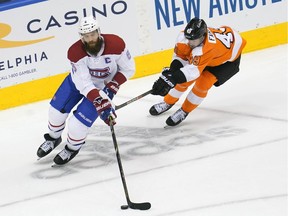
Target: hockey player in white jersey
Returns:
[[100, 62]]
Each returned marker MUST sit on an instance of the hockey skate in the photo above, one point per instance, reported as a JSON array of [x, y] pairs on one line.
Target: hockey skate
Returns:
[[176, 118], [159, 108], [65, 156], [48, 145]]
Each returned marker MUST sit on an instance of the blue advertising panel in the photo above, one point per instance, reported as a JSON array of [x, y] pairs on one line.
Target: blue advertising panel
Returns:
[[10, 4]]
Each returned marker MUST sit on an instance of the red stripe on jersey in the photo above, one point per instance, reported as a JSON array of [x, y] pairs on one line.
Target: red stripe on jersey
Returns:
[[76, 51], [113, 44]]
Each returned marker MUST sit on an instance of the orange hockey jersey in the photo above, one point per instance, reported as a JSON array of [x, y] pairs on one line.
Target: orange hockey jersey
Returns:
[[220, 45]]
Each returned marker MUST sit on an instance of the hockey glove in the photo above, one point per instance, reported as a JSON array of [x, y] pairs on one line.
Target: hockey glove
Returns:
[[105, 115], [105, 109], [111, 89], [164, 83], [113, 86], [103, 106]]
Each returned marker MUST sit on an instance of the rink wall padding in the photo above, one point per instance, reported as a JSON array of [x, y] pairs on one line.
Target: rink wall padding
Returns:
[[145, 65]]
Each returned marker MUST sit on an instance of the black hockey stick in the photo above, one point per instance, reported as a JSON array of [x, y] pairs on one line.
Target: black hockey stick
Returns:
[[133, 99], [140, 206]]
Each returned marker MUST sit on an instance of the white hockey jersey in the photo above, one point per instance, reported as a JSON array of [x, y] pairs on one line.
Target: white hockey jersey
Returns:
[[90, 72]]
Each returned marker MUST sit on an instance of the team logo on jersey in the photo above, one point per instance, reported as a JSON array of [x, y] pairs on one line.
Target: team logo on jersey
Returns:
[[100, 73], [196, 60]]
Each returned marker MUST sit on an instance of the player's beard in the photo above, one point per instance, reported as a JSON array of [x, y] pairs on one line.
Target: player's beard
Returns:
[[93, 48]]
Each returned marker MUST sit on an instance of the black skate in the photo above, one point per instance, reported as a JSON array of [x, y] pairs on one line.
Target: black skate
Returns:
[[65, 156], [176, 118], [159, 108], [48, 145]]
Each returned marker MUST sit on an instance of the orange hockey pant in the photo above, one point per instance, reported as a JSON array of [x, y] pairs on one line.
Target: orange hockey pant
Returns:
[[199, 91]]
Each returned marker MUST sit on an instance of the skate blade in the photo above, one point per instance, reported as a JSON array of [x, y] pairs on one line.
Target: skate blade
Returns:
[[54, 165], [168, 127]]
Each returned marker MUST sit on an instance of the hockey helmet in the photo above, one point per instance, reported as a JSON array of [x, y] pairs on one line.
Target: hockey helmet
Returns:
[[88, 24], [195, 29]]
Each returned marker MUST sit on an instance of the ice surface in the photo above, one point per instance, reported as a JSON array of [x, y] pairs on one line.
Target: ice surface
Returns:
[[228, 158]]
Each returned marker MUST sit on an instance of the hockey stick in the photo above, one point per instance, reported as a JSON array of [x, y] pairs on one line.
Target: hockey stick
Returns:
[[140, 206], [133, 99]]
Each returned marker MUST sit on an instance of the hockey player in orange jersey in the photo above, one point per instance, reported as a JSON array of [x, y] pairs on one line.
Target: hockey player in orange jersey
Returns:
[[204, 57]]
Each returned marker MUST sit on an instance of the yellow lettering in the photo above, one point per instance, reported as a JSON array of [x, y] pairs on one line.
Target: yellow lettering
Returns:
[[6, 29]]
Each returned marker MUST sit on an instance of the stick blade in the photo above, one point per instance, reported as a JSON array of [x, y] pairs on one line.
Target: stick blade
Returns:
[[140, 206]]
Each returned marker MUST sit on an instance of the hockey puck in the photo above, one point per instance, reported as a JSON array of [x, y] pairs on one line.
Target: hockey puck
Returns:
[[123, 207]]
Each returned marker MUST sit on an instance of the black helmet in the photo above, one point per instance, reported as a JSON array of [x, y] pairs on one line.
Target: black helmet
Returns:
[[195, 29]]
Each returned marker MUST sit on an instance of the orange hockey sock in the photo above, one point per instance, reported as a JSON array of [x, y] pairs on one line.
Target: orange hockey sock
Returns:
[[199, 91], [176, 93]]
